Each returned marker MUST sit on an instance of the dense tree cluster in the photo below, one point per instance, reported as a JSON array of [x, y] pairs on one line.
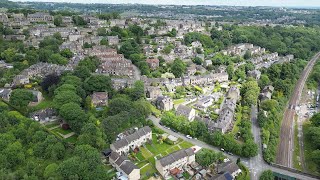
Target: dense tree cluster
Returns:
[[198, 129], [282, 77]]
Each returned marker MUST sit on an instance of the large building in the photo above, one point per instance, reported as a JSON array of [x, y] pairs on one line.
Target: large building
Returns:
[[176, 160], [132, 141], [123, 165]]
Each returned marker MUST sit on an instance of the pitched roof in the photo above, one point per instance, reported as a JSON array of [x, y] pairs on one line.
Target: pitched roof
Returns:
[[128, 139], [229, 166], [183, 110], [173, 157], [123, 163]]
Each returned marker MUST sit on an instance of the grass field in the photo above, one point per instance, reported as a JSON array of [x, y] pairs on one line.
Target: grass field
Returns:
[[151, 152], [52, 125], [147, 171], [178, 101], [62, 131]]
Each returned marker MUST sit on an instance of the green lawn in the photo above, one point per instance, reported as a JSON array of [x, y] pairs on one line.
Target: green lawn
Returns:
[[141, 164], [145, 153], [147, 171], [173, 149], [62, 131], [308, 148], [139, 156], [185, 145], [186, 175], [52, 125], [46, 103], [178, 101]]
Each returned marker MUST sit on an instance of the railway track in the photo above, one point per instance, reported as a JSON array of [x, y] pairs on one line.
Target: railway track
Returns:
[[285, 148]]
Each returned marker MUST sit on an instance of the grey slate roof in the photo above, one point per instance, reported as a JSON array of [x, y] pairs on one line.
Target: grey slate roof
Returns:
[[183, 110], [123, 163], [229, 166], [128, 139], [173, 157]]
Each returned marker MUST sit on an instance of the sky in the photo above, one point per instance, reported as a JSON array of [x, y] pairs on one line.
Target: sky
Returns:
[[282, 3]]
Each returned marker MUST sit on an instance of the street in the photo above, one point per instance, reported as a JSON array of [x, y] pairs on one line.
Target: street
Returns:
[[256, 166]]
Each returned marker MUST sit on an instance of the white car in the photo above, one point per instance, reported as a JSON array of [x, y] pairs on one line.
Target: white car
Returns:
[[188, 136]]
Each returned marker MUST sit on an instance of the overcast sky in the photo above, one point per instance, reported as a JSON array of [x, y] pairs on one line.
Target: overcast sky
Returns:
[[296, 3]]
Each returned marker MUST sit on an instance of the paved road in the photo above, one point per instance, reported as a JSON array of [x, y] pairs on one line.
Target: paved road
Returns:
[[285, 148], [256, 163], [260, 163]]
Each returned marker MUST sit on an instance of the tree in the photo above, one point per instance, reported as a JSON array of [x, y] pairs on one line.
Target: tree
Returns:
[[137, 91], [315, 120], [57, 20], [267, 175], [85, 164], [118, 105], [79, 21], [130, 47], [207, 157], [249, 149], [91, 135], [74, 115], [197, 61], [51, 172], [104, 42], [101, 31], [58, 59], [49, 80], [67, 53], [178, 67], [264, 81], [82, 72], [66, 97], [20, 97], [97, 83]]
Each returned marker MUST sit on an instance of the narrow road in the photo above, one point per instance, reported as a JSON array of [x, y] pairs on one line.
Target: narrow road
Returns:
[[285, 148], [261, 164], [256, 163]]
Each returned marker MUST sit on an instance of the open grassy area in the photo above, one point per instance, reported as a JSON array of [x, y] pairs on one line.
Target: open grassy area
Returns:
[[151, 152], [46, 103], [62, 131], [308, 148], [178, 101], [147, 171], [185, 145], [145, 153], [52, 125]]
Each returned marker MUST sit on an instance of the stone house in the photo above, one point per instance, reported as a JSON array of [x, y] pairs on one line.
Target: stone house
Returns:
[[164, 103], [178, 159], [153, 92], [99, 99], [39, 17], [132, 141], [123, 165], [186, 111], [5, 94], [153, 63], [113, 40]]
